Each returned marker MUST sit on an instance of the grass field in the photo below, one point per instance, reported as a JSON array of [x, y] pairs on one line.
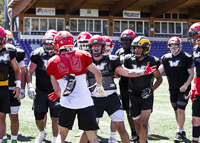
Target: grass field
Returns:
[[162, 122]]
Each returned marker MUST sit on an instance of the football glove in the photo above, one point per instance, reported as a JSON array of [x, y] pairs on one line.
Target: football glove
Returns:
[[98, 91], [71, 78], [192, 94], [149, 70], [53, 96], [147, 92], [31, 91], [22, 94]]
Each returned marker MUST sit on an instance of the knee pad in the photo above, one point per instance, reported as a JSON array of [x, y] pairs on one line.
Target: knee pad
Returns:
[[39, 115], [117, 116], [195, 132], [181, 105], [14, 110], [54, 112]]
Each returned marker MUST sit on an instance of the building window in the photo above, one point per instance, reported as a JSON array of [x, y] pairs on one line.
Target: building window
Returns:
[[94, 26], [39, 26], [137, 26], [171, 28]]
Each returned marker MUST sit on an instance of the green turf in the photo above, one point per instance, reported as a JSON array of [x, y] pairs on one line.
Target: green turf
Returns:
[[162, 122]]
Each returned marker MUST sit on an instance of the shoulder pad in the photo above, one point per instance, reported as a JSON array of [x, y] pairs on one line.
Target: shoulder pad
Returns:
[[113, 57], [188, 55], [10, 47], [20, 55], [37, 51], [195, 47], [119, 52], [168, 55]]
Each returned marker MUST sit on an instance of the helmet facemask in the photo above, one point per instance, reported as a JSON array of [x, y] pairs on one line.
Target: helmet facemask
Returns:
[[83, 45], [97, 50], [126, 43], [48, 46], [173, 48], [193, 36]]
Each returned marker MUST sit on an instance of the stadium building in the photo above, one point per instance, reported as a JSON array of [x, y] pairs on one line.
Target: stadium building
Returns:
[[157, 19]]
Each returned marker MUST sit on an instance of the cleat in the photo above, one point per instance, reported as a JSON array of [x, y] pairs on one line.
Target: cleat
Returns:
[[13, 141], [40, 138], [178, 137], [19, 134], [4, 141], [112, 140], [133, 138], [183, 134]]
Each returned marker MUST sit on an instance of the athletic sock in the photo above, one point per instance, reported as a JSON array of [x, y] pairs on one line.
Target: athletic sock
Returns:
[[54, 139], [4, 137], [113, 134], [13, 137]]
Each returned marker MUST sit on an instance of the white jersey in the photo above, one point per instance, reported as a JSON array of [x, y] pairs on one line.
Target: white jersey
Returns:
[[80, 97]]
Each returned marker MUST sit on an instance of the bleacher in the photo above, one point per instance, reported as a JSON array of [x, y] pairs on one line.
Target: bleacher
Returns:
[[158, 48]]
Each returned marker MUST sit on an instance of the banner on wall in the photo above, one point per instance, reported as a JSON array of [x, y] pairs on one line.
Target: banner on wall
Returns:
[[89, 12], [131, 14], [45, 11]]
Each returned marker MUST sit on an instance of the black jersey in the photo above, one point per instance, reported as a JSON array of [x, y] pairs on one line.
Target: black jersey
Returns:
[[7, 54], [20, 55], [40, 58], [121, 53], [107, 66], [176, 68], [196, 56], [137, 84]]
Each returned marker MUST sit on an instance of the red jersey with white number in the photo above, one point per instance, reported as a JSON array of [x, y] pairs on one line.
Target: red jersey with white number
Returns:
[[75, 62]]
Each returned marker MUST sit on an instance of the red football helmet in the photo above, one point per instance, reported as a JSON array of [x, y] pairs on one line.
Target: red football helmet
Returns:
[[2, 36], [96, 45], [64, 40], [194, 33], [51, 31], [126, 38], [48, 43], [109, 45], [83, 40], [174, 44]]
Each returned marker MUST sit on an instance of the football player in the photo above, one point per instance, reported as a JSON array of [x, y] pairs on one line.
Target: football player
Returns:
[[108, 64], [194, 36], [7, 55], [180, 72], [15, 102], [141, 88], [68, 76], [39, 58], [126, 39], [82, 40], [109, 45]]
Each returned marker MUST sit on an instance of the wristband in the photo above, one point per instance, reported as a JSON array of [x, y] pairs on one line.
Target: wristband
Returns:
[[18, 83]]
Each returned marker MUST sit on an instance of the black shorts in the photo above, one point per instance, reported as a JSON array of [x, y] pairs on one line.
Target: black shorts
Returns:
[[196, 106], [41, 102], [179, 99], [13, 101], [86, 118], [4, 99], [137, 104], [125, 97], [110, 104]]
